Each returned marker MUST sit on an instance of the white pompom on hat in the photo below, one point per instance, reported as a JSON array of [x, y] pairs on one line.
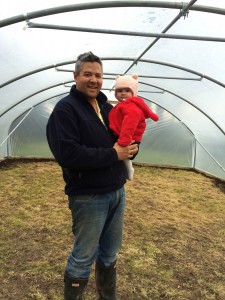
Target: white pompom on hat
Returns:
[[127, 81]]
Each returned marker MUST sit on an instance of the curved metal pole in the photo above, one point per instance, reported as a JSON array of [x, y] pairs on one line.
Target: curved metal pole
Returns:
[[34, 72], [109, 4], [191, 132], [187, 101], [28, 112], [144, 83], [36, 93], [38, 103], [61, 94], [184, 125], [115, 58]]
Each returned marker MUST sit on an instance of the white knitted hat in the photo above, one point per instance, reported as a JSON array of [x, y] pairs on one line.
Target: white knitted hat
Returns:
[[127, 81]]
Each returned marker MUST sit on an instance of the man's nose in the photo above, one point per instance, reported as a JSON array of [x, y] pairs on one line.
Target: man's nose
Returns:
[[93, 78]]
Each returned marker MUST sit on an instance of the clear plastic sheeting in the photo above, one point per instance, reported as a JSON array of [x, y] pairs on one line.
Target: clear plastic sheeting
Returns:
[[174, 154], [27, 140], [177, 49]]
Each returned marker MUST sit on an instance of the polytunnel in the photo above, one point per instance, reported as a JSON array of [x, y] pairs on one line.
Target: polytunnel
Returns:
[[176, 48]]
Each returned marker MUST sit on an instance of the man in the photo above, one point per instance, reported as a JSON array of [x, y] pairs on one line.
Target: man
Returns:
[[92, 164]]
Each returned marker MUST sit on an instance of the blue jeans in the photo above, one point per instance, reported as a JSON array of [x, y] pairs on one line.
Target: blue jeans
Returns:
[[98, 228]]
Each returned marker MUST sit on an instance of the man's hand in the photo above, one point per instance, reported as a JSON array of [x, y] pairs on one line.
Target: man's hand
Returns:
[[125, 152]]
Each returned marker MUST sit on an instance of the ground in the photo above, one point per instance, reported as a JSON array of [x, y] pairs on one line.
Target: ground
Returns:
[[174, 234]]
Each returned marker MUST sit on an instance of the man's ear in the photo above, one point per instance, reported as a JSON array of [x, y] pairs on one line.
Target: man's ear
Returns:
[[75, 76]]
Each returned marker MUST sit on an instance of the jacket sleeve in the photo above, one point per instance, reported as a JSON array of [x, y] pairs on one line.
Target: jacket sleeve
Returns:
[[63, 135]]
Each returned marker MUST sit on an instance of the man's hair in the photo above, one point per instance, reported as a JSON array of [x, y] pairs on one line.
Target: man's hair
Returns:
[[86, 57]]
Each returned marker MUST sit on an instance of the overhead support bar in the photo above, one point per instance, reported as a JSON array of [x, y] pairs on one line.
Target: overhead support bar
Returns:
[[123, 32], [141, 76], [151, 92], [107, 89], [108, 4], [115, 58], [171, 77]]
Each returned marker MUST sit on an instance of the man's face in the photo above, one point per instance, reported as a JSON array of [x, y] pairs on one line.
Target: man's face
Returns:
[[89, 80]]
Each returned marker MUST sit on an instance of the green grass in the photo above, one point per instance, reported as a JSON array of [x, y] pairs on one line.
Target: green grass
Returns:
[[174, 236]]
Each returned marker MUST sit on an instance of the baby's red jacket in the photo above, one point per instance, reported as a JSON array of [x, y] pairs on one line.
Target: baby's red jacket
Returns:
[[127, 120]]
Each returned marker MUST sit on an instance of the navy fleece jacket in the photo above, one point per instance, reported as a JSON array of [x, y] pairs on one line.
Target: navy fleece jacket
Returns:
[[82, 145]]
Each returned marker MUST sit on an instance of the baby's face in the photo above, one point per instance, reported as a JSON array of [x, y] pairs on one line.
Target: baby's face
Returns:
[[123, 93]]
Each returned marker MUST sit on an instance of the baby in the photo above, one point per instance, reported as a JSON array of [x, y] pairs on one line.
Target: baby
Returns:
[[127, 118]]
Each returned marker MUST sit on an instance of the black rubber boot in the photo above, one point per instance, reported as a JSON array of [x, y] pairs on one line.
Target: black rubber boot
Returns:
[[106, 282], [74, 288]]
